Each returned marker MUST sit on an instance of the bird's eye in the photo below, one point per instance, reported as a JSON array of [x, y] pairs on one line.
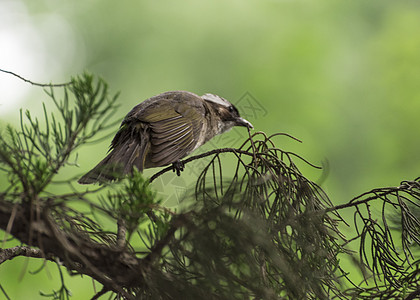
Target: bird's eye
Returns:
[[233, 110]]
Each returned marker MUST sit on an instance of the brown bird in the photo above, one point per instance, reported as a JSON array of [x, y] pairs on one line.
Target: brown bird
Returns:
[[162, 130]]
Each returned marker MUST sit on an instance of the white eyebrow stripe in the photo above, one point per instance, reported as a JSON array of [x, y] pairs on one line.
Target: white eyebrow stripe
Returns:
[[216, 99]]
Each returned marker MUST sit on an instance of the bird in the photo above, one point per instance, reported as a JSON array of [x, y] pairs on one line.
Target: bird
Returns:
[[162, 130]]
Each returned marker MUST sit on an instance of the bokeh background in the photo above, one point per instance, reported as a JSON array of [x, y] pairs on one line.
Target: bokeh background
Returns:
[[342, 76]]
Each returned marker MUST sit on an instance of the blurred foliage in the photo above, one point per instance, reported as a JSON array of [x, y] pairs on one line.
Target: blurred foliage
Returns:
[[341, 76]]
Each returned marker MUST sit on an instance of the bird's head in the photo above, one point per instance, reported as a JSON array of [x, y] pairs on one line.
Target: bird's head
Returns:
[[226, 113]]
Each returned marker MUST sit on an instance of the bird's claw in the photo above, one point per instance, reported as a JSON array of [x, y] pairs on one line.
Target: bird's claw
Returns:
[[178, 167]]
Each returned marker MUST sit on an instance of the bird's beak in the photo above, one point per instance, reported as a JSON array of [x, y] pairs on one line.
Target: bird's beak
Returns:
[[243, 122]]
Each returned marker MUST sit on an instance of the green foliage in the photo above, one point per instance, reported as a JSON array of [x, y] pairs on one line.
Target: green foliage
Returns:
[[135, 202], [259, 231], [268, 220], [33, 154], [63, 292], [389, 241]]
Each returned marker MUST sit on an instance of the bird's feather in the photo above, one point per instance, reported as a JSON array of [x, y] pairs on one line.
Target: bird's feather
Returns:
[[174, 128]]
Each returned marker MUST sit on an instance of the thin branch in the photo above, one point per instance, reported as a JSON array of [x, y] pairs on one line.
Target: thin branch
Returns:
[[413, 295], [378, 193], [10, 253], [156, 250], [353, 203], [199, 156], [9, 224], [34, 83], [4, 292], [102, 292], [121, 233]]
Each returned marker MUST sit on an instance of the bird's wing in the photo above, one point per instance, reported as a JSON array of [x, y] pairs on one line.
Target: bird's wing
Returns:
[[175, 129]]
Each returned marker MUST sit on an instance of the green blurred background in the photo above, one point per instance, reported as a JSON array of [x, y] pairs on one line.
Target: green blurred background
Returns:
[[342, 76]]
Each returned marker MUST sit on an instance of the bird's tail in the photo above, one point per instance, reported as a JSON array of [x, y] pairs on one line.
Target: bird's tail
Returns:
[[127, 152]]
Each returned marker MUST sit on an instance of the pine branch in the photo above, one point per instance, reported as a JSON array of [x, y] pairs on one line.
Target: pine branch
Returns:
[[260, 230], [10, 253]]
